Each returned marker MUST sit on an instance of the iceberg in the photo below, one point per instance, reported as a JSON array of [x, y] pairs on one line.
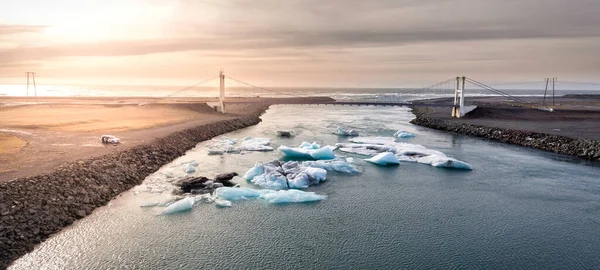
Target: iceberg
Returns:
[[345, 131], [184, 204], [387, 158], [292, 196], [308, 151], [291, 174], [404, 134], [223, 203]]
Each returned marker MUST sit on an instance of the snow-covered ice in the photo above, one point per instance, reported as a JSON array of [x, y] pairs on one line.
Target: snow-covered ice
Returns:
[[386, 158]]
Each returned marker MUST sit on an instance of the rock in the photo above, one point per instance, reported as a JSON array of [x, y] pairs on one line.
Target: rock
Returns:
[[285, 134], [80, 213], [187, 184]]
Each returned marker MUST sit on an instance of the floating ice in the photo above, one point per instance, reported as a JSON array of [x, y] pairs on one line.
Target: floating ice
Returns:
[[188, 168], [274, 175], [308, 151], [184, 204], [149, 204], [332, 165], [345, 131], [232, 193], [372, 146], [228, 145], [404, 134], [223, 203], [445, 162], [387, 158], [291, 196]]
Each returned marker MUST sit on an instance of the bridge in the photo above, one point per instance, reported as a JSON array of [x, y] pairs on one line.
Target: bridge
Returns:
[[457, 109]]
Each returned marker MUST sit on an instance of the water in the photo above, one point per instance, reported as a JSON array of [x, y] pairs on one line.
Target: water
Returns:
[[518, 208]]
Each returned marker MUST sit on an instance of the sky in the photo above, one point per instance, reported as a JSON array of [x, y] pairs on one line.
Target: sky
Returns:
[[343, 43]]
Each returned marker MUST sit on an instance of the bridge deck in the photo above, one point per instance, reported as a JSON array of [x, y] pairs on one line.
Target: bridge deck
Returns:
[[342, 103]]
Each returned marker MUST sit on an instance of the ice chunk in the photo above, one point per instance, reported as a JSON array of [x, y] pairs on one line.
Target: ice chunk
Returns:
[[332, 165], [345, 131], [387, 158], [322, 153], [404, 134], [228, 145], [445, 162], [308, 151], [110, 139], [216, 152], [232, 193], [149, 204], [286, 134], [317, 174], [258, 169], [291, 196], [184, 204], [223, 203], [188, 168]]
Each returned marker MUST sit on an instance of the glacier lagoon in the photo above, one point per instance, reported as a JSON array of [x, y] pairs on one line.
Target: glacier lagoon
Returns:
[[517, 208]]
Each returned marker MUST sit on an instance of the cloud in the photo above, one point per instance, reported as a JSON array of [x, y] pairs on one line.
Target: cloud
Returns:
[[12, 29]]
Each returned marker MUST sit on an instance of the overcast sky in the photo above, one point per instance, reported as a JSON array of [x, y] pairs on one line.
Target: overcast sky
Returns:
[[387, 43]]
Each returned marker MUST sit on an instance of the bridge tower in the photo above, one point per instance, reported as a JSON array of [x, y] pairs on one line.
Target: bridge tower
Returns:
[[222, 90], [459, 97]]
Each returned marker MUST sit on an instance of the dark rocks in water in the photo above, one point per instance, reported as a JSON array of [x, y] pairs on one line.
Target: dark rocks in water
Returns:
[[285, 134], [225, 179], [203, 185], [187, 184]]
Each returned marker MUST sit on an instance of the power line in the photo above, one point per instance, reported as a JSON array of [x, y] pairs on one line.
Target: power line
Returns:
[[261, 88], [491, 89], [190, 87]]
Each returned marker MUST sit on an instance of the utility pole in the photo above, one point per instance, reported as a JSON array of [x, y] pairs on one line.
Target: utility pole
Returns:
[[32, 76], [553, 83]]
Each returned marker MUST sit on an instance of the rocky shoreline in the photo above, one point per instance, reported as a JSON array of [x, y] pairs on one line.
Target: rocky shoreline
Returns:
[[582, 148], [34, 208]]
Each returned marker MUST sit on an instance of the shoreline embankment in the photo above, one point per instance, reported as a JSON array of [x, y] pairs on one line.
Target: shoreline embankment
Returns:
[[34, 208], [578, 147]]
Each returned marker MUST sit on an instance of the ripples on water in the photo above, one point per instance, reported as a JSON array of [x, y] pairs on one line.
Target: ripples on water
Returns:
[[518, 208]]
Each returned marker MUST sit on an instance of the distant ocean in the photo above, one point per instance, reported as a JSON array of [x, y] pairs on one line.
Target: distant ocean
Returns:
[[348, 94]]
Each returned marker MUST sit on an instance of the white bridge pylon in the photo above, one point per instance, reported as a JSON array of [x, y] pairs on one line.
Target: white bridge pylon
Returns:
[[222, 90], [459, 97]]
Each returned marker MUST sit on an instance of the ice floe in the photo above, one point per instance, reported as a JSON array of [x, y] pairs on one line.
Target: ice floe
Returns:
[[184, 204], [379, 147], [224, 145], [292, 196], [308, 151], [223, 203], [345, 131], [332, 165], [271, 196], [386, 158], [404, 134]]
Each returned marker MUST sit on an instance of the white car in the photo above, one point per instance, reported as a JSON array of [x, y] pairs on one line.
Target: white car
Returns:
[[110, 139]]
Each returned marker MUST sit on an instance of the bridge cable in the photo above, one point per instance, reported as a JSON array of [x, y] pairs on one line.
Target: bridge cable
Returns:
[[262, 88], [190, 87], [491, 89]]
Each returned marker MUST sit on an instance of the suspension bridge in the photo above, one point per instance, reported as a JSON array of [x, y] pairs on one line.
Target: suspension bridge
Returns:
[[457, 85], [457, 109]]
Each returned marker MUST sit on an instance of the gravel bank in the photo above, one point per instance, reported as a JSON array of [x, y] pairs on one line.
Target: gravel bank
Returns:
[[34, 208], [583, 148]]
